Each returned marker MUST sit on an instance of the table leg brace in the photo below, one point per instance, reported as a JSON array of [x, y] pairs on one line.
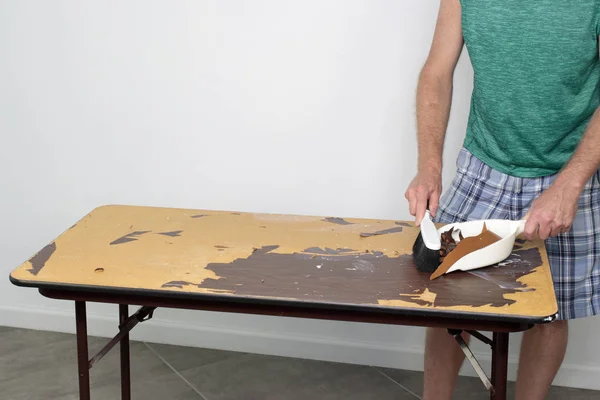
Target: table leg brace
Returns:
[[141, 315], [469, 354]]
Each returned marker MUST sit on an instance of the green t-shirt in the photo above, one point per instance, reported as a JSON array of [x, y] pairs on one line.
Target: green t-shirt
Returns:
[[536, 82]]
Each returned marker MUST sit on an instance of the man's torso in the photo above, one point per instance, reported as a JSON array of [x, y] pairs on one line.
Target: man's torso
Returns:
[[536, 82]]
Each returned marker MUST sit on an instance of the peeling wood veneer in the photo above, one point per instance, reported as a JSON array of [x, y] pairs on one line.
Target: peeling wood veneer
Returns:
[[39, 260], [130, 237], [382, 232], [297, 258], [172, 233], [373, 278], [327, 250], [336, 220]]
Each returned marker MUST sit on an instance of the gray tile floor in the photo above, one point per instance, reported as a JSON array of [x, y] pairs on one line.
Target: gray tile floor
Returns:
[[42, 365]]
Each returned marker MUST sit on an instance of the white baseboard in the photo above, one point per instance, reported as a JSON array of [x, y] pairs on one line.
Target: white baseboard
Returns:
[[271, 343]]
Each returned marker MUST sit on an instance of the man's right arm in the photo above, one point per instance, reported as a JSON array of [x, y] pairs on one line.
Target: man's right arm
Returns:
[[434, 97]]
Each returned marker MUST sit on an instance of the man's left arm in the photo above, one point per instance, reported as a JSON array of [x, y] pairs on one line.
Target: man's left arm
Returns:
[[554, 210]]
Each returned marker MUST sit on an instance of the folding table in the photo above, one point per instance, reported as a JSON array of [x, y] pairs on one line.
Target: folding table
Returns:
[[328, 268]]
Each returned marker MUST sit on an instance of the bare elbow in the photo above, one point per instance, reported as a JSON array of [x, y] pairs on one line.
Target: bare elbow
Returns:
[[434, 87], [435, 75]]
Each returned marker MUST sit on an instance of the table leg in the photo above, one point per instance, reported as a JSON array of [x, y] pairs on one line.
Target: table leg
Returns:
[[125, 357], [499, 365], [82, 350]]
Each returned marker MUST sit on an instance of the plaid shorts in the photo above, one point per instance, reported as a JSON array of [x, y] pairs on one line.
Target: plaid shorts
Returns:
[[480, 192]]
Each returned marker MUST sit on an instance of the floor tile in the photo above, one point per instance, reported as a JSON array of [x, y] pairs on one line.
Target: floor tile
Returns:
[[42, 366], [4, 329], [258, 377], [38, 365], [561, 393], [14, 340], [411, 380], [165, 387], [467, 388], [183, 358], [471, 388]]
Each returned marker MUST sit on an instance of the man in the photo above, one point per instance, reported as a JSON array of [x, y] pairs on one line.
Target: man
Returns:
[[532, 150]]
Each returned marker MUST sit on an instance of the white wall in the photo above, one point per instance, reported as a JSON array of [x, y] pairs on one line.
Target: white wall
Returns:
[[266, 105]]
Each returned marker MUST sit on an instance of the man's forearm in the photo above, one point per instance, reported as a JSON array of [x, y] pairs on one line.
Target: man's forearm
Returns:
[[434, 96], [586, 159]]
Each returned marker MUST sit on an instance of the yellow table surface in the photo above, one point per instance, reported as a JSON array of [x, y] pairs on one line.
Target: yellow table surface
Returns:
[[331, 260]]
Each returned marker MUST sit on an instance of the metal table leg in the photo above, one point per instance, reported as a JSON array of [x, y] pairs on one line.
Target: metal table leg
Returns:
[[125, 358], [499, 365], [82, 350]]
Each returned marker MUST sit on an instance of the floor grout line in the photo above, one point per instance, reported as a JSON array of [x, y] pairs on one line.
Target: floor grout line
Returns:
[[397, 383], [176, 372]]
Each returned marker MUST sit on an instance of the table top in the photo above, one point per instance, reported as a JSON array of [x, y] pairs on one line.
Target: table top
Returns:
[[341, 262]]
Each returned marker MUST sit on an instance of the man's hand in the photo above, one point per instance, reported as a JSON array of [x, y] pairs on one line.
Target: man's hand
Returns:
[[552, 212], [425, 188]]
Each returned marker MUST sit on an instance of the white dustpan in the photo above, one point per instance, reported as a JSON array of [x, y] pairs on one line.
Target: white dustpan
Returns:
[[508, 230]]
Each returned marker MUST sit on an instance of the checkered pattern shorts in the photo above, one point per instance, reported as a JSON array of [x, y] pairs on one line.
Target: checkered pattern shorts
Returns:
[[480, 192]]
